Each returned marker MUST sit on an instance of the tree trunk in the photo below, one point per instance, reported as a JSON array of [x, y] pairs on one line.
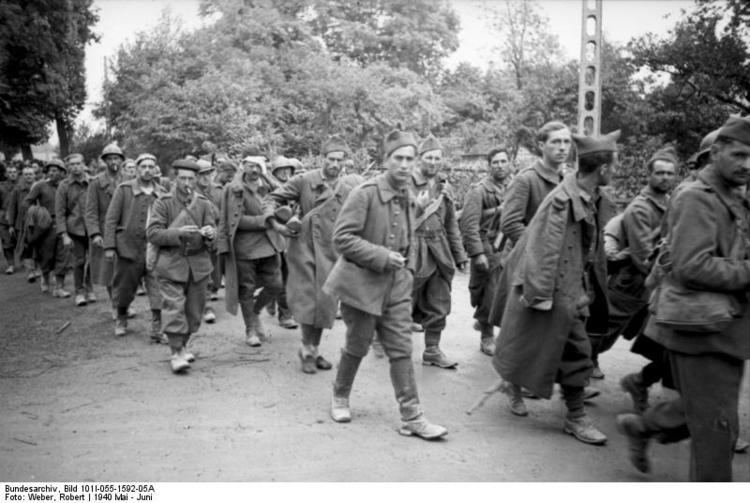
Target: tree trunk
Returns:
[[26, 152], [63, 134]]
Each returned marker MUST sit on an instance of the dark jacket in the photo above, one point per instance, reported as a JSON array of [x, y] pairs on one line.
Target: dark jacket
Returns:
[[480, 219], [70, 206], [44, 194], [17, 207], [126, 220], [99, 195], [705, 219]]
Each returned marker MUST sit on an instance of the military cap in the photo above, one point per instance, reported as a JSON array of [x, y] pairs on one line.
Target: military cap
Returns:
[[397, 139], [705, 147], [736, 128], [667, 154], [57, 163], [429, 143], [112, 149], [588, 145], [204, 167], [143, 157], [185, 164], [334, 144], [70, 157]]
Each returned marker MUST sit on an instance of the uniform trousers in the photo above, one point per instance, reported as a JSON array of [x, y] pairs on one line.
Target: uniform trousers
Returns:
[[9, 243], [79, 258], [482, 286], [432, 304], [127, 277], [706, 411], [252, 274], [182, 305], [51, 254]]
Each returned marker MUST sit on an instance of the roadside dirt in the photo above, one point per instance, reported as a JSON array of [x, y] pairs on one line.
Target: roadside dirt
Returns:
[[83, 405]]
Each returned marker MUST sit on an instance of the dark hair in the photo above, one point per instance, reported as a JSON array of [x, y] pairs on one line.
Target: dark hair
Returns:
[[549, 127], [590, 163], [496, 151]]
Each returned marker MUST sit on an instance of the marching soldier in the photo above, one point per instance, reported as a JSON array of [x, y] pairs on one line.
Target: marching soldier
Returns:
[[125, 241], [206, 187], [70, 206], [8, 236], [182, 228], [319, 194], [439, 250], [16, 216], [373, 277]]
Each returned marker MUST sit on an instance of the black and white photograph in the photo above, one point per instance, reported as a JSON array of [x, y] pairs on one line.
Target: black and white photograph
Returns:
[[418, 244]]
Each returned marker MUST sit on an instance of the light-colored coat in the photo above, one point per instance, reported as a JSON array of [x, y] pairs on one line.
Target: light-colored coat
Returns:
[[364, 236]]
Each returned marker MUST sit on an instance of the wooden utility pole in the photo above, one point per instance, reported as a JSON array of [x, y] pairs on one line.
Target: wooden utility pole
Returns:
[[590, 75]]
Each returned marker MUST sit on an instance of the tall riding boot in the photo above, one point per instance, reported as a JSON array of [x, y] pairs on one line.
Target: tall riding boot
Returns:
[[487, 344], [413, 421], [342, 387]]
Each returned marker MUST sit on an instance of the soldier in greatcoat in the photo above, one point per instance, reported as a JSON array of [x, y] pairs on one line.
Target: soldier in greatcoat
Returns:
[[439, 250], [16, 216], [250, 248], [709, 250], [48, 246], [205, 186], [182, 226], [480, 226], [557, 278], [70, 206], [8, 236], [100, 191], [319, 195], [125, 244], [373, 277]]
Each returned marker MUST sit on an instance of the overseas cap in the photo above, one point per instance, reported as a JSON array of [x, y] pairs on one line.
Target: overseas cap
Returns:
[[397, 139], [588, 145], [185, 164], [667, 153], [430, 143], [736, 128], [334, 144], [227, 165]]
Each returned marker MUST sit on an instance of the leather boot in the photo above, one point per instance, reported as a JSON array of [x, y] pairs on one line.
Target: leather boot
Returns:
[[250, 317], [342, 387], [413, 421], [307, 357]]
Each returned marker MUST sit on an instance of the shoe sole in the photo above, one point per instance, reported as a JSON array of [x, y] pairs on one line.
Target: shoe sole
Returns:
[[584, 440], [436, 364], [341, 419], [409, 433], [519, 413], [180, 370]]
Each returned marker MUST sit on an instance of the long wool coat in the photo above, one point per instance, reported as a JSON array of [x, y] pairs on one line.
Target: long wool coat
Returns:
[[548, 265], [99, 195]]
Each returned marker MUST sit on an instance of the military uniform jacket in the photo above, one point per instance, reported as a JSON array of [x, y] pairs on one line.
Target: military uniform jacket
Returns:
[[438, 240], [6, 189], [126, 220], [232, 211], [559, 264], [478, 228], [705, 219], [180, 256], [70, 206], [366, 232], [44, 194], [16, 211], [525, 194], [101, 189]]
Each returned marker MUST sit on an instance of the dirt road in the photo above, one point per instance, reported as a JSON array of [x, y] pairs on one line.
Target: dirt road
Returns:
[[83, 405]]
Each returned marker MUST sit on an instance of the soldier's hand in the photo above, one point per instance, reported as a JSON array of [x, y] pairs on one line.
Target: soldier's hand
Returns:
[[208, 232], [283, 229], [423, 199], [461, 266], [186, 230], [67, 242], [395, 261], [97, 241], [481, 263], [109, 255]]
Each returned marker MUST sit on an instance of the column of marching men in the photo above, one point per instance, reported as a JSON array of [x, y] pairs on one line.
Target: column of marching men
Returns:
[[552, 265]]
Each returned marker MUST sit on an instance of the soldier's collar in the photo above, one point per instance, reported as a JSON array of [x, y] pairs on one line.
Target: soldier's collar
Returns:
[[546, 173]]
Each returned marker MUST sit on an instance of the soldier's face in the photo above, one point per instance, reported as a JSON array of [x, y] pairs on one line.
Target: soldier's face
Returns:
[[732, 161], [283, 174], [430, 163], [76, 166], [224, 177], [54, 173], [204, 180], [400, 164], [661, 178], [251, 171], [607, 172], [28, 174], [11, 173], [334, 163], [145, 170], [556, 148], [500, 166], [185, 181], [113, 161]]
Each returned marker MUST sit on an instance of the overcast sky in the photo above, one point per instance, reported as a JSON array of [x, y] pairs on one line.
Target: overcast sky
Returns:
[[622, 20]]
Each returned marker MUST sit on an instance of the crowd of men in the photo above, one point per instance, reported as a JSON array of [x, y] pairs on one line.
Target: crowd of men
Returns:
[[552, 263]]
